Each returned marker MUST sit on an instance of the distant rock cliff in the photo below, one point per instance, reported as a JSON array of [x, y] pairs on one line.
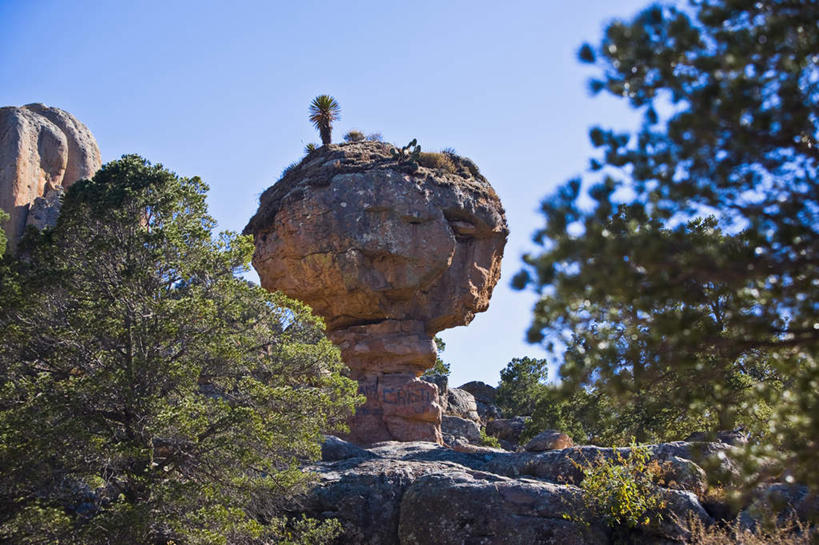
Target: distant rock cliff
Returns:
[[389, 253], [43, 150]]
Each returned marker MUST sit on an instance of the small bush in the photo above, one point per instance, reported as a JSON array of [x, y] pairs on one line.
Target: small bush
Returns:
[[440, 161], [622, 491], [488, 440], [310, 148], [354, 136], [375, 137]]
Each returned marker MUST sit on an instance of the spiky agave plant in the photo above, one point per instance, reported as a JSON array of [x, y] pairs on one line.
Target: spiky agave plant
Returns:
[[323, 111]]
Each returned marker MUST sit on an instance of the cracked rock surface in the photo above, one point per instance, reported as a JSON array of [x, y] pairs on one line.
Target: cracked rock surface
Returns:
[[388, 254], [403, 493]]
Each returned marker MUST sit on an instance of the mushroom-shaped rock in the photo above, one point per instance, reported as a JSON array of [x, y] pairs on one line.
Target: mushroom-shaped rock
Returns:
[[388, 252], [42, 150]]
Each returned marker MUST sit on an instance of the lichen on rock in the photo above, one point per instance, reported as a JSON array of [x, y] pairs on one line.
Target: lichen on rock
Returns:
[[389, 253]]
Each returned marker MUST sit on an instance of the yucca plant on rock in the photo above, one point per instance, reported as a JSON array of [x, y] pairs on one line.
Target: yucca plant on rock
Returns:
[[323, 111]]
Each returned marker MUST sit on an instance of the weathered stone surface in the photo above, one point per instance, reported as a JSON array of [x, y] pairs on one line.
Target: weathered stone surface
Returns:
[[453, 427], [42, 149], [399, 407], [45, 210], [508, 429], [442, 382], [389, 255], [464, 507], [421, 493], [485, 396], [462, 404], [334, 449], [549, 440]]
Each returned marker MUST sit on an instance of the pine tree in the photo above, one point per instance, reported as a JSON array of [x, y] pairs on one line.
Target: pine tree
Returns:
[[689, 277], [148, 394]]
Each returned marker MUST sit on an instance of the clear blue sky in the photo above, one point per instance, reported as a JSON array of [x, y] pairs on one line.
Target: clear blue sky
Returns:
[[221, 89]]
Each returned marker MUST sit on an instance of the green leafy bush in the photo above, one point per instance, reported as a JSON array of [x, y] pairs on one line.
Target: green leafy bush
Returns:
[[622, 491], [489, 440]]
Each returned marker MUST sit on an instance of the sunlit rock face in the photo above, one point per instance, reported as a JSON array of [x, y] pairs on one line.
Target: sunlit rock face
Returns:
[[389, 254], [43, 150]]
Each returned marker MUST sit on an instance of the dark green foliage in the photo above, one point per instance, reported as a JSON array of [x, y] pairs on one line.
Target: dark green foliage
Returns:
[[522, 384], [354, 136], [323, 111], [310, 148], [375, 137], [147, 394], [407, 155], [440, 367], [688, 277]]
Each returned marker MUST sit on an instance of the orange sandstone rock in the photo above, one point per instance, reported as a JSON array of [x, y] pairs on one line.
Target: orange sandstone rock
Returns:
[[389, 255], [43, 150]]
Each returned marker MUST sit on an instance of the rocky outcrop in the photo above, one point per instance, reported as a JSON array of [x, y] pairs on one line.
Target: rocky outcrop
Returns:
[[485, 396], [420, 493], [549, 440], [43, 150], [508, 430], [389, 253]]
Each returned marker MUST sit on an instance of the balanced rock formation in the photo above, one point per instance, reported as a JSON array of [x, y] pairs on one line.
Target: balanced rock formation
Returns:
[[42, 151], [389, 253]]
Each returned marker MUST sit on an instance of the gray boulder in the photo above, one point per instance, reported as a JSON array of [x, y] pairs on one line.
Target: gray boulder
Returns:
[[420, 492], [508, 429], [463, 507], [454, 428], [461, 403], [485, 396], [334, 449]]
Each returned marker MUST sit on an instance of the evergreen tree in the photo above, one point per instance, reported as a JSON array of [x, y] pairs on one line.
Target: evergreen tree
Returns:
[[688, 279], [522, 383], [147, 394]]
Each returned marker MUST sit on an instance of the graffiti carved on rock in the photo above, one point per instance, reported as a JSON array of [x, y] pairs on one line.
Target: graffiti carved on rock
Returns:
[[43, 150], [389, 254]]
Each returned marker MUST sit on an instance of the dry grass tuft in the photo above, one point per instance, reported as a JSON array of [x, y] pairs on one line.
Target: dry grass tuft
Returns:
[[440, 161], [790, 533]]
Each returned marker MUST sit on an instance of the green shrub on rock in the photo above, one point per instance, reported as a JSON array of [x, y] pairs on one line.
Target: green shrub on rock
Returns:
[[621, 491]]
